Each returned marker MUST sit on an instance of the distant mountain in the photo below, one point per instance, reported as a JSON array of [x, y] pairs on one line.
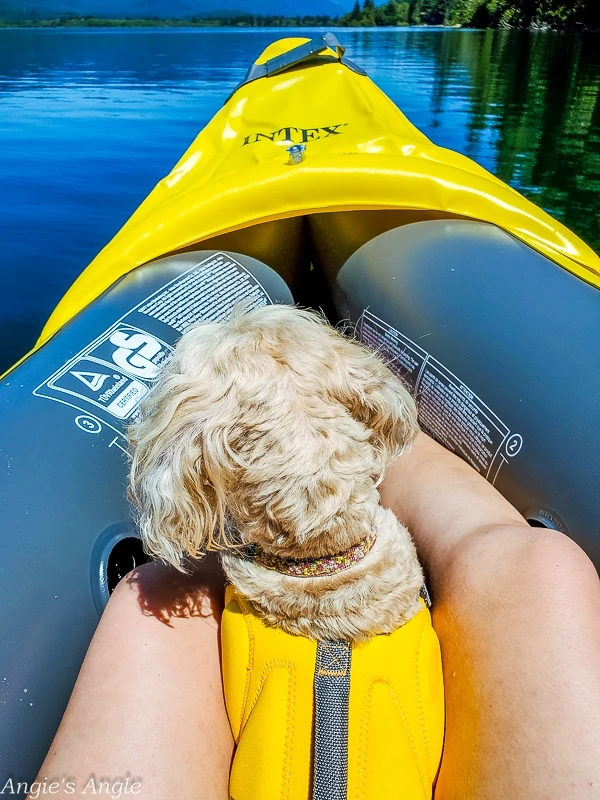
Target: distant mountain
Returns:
[[144, 9]]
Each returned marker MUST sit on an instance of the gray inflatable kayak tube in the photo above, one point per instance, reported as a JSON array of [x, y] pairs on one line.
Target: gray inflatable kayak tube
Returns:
[[497, 343], [500, 347], [67, 533]]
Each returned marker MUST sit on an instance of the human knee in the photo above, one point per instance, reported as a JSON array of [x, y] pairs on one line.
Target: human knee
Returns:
[[547, 549], [164, 592], [519, 561], [128, 592], [558, 568]]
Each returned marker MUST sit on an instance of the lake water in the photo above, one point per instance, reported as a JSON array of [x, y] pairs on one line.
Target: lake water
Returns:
[[91, 120]]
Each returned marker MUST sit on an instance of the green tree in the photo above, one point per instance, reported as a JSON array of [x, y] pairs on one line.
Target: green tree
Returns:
[[391, 13], [368, 14], [462, 12], [414, 12]]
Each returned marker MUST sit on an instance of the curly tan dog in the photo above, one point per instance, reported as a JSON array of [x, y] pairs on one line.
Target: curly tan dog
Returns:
[[266, 438]]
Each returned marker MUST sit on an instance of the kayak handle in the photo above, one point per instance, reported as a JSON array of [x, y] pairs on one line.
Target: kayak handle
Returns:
[[297, 55]]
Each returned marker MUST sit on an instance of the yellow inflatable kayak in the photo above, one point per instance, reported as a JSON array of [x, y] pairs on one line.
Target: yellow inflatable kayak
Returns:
[[308, 186], [361, 153]]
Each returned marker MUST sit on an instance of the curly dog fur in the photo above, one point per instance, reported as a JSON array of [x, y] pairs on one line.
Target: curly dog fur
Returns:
[[274, 429]]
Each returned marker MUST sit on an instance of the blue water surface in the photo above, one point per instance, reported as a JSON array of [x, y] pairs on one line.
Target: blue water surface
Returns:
[[90, 120]]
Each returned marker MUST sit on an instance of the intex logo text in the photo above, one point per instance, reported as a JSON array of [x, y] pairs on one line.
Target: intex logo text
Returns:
[[296, 134]]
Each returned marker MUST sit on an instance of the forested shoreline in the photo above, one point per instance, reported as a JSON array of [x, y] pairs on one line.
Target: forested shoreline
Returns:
[[540, 14], [555, 14]]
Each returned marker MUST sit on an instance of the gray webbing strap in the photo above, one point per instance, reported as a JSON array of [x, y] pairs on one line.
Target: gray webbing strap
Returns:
[[297, 55], [332, 696], [424, 593]]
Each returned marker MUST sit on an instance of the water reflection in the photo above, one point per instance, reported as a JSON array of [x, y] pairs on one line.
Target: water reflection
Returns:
[[90, 120], [539, 94]]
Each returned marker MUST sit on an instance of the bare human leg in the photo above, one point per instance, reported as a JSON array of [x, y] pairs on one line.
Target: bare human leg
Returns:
[[517, 611], [148, 702]]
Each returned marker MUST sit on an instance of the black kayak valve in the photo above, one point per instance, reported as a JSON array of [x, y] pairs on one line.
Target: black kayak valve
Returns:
[[117, 551], [127, 554]]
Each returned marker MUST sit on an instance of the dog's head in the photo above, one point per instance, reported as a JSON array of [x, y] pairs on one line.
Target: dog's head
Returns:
[[272, 428]]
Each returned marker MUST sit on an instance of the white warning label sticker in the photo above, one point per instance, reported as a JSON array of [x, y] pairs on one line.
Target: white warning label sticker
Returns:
[[224, 282], [448, 409], [114, 373]]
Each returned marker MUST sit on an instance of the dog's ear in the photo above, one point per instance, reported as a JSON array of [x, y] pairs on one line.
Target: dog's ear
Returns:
[[180, 471], [377, 398], [181, 513]]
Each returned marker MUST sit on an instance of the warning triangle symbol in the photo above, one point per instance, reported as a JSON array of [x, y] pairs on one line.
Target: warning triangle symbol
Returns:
[[93, 380]]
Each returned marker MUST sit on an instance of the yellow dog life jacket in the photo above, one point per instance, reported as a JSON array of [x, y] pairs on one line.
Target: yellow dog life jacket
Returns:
[[395, 710]]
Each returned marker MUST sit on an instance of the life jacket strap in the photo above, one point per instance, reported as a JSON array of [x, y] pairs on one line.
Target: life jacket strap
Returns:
[[331, 704]]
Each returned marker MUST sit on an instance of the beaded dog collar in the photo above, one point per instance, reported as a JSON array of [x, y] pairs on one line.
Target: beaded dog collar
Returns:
[[316, 567]]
